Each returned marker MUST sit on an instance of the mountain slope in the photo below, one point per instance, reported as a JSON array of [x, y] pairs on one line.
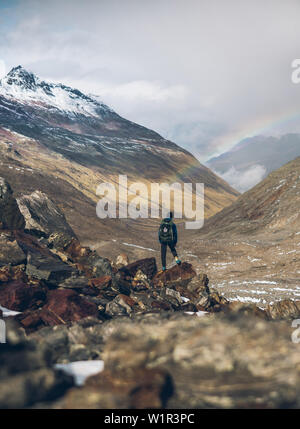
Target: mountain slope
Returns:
[[56, 139], [251, 250], [254, 158], [271, 207]]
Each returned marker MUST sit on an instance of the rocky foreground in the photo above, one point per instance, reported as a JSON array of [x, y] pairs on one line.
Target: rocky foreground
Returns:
[[166, 339]]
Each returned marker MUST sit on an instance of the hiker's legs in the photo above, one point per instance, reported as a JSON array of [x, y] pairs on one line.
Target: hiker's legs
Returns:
[[174, 253], [163, 255], [173, 250]]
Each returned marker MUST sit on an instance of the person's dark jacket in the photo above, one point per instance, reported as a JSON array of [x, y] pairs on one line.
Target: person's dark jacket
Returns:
[[174, 229]]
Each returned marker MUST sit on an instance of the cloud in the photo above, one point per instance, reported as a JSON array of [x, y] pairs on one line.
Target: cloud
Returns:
[[145, 91], [205, 74], [245, 179], [2, 69]]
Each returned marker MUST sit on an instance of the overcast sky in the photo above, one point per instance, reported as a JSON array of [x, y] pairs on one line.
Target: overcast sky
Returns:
[[203, 73]]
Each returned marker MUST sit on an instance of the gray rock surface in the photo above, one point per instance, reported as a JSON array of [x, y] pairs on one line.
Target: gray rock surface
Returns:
[[10, 215], [10, 251], [43, 216]]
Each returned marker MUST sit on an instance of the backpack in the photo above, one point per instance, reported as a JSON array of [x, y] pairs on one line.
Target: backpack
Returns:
[[166, 231]]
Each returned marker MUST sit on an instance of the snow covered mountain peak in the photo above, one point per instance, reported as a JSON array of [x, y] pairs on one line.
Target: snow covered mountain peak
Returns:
[[20, 77], [27, 88]]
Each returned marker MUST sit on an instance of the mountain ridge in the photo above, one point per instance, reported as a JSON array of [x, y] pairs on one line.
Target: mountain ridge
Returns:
[[48, 149]]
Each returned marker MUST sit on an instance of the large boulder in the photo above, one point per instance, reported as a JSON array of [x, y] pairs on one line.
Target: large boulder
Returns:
[[178, 275], [41, 262], [48, 267], [10, 215], [43, 216]]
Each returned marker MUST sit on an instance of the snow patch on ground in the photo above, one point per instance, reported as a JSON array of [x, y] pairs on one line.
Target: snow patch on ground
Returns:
[[247, 299], [81, 370], [198, 313], [139, 247]]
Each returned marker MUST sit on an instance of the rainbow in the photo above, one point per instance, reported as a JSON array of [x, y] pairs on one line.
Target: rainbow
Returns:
[[256, 127]]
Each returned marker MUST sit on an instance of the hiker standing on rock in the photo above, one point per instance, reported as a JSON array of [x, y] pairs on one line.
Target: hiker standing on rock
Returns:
[[167, 235]]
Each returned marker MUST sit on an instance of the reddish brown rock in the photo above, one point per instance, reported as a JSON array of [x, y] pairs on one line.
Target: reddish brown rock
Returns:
[[30, 320], [64, 305], [178, 275], [147, 266], [101, 283], [19, 296]]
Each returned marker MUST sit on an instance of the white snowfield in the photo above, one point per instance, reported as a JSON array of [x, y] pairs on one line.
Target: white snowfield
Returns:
[[81, 370], [29, 89]]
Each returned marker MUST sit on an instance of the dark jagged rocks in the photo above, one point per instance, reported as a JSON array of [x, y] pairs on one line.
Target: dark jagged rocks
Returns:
[[10, 216]]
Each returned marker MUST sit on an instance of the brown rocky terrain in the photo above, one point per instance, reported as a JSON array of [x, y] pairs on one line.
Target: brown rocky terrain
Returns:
[[157, 339]]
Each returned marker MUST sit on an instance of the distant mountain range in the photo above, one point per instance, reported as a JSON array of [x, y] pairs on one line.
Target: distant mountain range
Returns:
[[56, 139], [254, 158]]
